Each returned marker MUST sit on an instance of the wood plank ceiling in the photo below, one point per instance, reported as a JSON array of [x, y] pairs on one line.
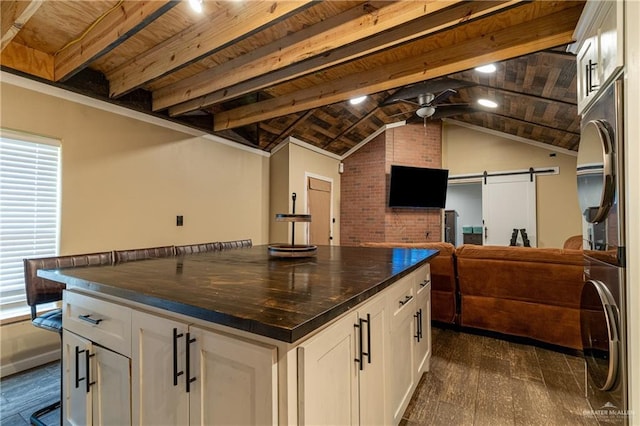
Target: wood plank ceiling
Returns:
[[257, 72]]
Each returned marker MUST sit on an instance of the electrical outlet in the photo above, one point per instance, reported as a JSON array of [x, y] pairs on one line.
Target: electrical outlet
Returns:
[[179, 221]]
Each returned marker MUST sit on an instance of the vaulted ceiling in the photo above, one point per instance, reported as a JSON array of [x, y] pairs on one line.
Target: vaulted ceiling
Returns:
[[257, 72]]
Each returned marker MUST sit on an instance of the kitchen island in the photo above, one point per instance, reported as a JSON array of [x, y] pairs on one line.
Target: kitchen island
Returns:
[[236, 336]]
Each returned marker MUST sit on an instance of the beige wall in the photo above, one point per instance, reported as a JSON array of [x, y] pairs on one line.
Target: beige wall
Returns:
[[295, 162], [279, 195], [304, 163], [124, 181], [468, 151]]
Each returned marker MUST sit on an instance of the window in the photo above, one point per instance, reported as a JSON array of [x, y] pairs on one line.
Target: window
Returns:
[[29, 223]]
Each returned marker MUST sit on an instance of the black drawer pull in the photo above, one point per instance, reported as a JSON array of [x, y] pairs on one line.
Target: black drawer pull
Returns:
[[88, 318], [77, 367], [405, 301], [176, 373], [424, 283], [190, 379], [88, 382], [418, 317]]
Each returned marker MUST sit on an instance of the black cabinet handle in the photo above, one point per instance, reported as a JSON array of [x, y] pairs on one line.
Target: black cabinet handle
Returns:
[[88, 318], [590, 67], [418, 317], [406, 300], [360, 351], [77, 367], [88, 369], [368, 352], [587, 75], [424, 283], [176, 373], [190, 379]]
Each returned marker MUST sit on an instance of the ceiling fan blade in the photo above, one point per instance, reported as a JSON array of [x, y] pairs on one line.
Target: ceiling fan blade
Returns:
[[442, 96], [429, 86], [443, 111], [401, 114]]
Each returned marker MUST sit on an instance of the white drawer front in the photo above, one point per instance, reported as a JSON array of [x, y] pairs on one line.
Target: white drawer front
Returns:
[[401, 297], [422, 278], [105, 323]]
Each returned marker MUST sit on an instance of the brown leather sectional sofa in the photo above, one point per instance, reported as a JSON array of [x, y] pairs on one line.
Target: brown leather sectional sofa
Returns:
[[519, 291]]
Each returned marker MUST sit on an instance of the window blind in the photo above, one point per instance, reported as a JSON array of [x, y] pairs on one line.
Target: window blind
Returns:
[[29, 180]]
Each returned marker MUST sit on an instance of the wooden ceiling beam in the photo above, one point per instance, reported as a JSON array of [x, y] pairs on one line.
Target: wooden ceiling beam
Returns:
[[520, 38], [28, 60], [269, 66], [125, 20], [198, 41], [355, 24], [14, 14]]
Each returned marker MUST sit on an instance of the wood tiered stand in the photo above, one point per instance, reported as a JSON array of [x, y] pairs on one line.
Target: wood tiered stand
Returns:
[[293, 249]]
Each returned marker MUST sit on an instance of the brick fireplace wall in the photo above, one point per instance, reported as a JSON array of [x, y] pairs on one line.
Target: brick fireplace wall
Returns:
[[364, 214]]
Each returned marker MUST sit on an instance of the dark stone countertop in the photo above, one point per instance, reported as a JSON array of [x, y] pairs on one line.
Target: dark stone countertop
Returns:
[[245, 288]]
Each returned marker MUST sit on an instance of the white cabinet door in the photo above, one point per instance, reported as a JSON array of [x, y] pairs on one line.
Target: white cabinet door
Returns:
[[111, 388], [422, 337], [328, 376], [372, 335], [588, 72], [234, 382], [159, 394], [76, 396], [611, 39], [96, 385], [601, 53], [402, 306]]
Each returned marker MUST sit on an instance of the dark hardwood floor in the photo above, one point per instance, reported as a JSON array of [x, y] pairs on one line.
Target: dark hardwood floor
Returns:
[[479, 380], [473, 380], [24, 393]]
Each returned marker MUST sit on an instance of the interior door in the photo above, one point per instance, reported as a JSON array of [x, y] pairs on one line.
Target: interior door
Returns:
[[508, 203], [319, 199]]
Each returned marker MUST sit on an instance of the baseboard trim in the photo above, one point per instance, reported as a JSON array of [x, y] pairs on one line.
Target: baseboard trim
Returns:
[[27, 363]]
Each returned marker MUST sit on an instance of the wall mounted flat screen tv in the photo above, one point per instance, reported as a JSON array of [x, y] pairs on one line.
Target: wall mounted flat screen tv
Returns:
[[417, 187]]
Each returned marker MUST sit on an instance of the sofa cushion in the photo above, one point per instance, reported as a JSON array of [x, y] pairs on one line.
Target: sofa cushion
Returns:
[[537, 275]]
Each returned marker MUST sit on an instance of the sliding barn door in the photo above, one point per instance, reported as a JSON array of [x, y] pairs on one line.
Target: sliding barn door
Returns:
[[508, 203]]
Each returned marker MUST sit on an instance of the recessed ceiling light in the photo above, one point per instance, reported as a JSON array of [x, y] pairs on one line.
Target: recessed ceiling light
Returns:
[[196, 5], [487, 103], [486, 68], [358, 100]]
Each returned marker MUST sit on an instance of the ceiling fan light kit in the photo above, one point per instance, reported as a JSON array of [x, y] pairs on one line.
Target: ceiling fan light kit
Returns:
[[425, 112]]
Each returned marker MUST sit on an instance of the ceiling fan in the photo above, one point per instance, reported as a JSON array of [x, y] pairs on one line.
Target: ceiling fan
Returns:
[[428, 97]]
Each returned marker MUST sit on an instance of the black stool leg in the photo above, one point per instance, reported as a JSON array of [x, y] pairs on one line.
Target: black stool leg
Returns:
[[35, 417]]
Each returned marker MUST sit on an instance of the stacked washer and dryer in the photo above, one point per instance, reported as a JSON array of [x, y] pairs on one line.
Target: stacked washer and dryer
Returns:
[[603, 305]]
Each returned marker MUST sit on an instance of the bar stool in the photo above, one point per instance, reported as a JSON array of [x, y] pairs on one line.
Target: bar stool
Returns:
[[40, 290]]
